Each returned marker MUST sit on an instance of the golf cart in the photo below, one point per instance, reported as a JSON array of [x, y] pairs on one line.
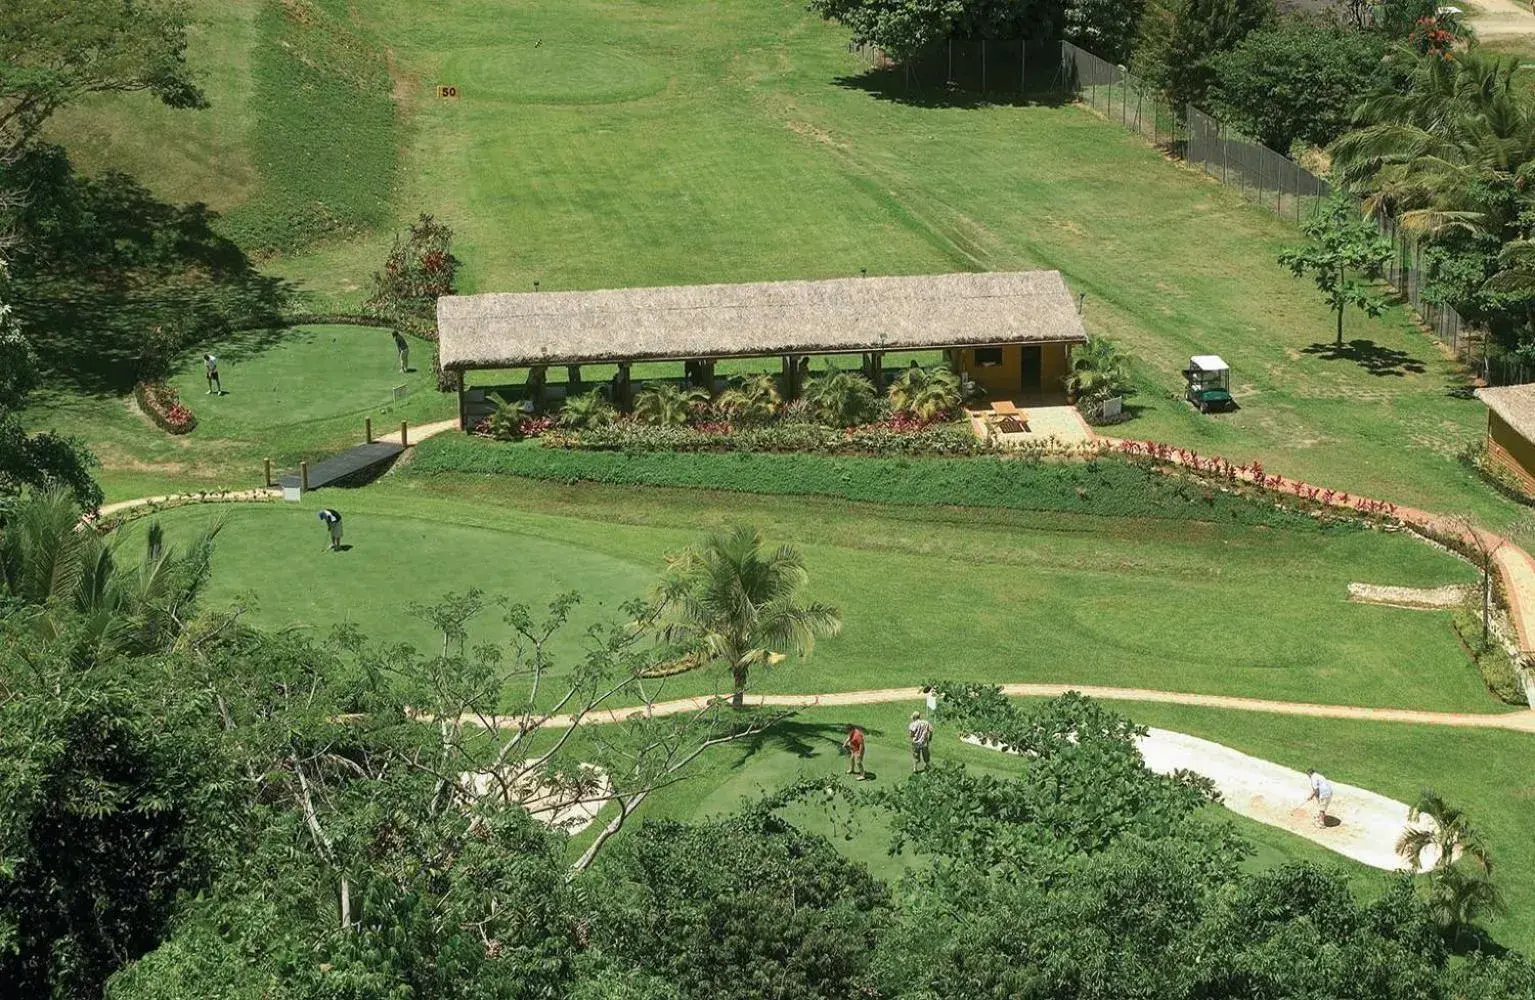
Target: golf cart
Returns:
[[1209, 381]]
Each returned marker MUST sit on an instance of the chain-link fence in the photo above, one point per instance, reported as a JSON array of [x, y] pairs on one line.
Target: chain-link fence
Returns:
[[1265, 178], [985, 66]]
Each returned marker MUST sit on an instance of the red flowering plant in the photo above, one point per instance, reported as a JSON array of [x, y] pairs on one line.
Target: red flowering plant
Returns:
[[162, 404], [418, 270]]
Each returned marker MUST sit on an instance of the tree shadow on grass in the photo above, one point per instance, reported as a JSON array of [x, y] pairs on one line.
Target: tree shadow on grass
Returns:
[[895, 85], [802, 739], [1372, 357], [113, 285]]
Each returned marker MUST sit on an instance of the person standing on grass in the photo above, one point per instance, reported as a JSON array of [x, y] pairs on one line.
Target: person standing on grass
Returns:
[[1321, 790], [211, 370], [332, 521], [854, 745], [921, 733], [402, 348], [932, 701]]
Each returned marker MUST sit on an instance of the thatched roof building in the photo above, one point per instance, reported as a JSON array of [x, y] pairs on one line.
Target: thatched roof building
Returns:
[[762, 319]]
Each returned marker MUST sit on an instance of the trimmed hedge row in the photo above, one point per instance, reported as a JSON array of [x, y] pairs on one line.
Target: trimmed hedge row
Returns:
[[1110, 487], [783, 437], [161, 403]]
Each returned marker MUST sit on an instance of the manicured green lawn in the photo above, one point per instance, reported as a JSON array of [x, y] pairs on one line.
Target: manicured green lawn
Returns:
[[294, 394], [610, 144], [925, 592]]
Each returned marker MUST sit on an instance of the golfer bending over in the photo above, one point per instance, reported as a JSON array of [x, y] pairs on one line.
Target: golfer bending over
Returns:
[[211, 370], [1321, 790], [332, 521], [921, 733], [402, 348]]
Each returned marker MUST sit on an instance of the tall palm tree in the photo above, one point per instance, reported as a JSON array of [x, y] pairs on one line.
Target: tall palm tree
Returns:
[[1451, 837], [1456, 150], [1459, 895], [926, 393], [739, 604], [70, 581], [753, 400], [586, 411], [842, 398], [666, 405]]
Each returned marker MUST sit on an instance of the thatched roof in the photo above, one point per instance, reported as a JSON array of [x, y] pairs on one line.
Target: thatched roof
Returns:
[[1515, 404], [839, 315]]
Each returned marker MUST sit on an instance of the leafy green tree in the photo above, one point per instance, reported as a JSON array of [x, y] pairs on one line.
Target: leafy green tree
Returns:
[[752, 401], [737, 909], [904, 28], [926, 393], [1106, 28], [586, 411], [842, 398], [115, 799], [740, 605], [42, 461], [1296, 82], [1347, 256], [417, 272], [1180, 39], [666, 405], [53, 54]]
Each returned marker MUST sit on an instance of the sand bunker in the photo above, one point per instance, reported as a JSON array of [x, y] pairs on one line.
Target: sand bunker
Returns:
[[1415, 598], [1361, 824], [569, 809]]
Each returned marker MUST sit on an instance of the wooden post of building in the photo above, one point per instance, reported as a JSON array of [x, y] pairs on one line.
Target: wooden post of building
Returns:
[[367, 429], [404, 440], [267, 477], [624, 400], [572, 380], [303, 476], [708, 371], [878, 373]]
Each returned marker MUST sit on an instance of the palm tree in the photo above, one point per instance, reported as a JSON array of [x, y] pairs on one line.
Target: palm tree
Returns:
[[1459, 895], [666, 405], [587, 411], [753, 400], [1098, 371], [69, 580], [739, 605], [842, 399], [1455, 150], [926, 393], [1451, 837]]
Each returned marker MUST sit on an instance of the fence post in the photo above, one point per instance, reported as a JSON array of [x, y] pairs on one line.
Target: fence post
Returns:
[[267, 478], [367, 427], [303, 475], [404, 443]]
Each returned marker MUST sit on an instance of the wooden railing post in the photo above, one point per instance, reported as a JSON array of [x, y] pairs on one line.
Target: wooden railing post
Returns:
[[267, 478], [303, 475], [367, 427], [404, 443]]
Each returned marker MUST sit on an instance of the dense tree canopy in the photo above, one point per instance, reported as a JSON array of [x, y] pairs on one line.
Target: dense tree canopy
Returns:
[[1180, 39]]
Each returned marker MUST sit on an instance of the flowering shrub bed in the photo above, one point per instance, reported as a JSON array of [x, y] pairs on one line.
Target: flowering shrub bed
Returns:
[[1219, 468], [164, 406], [897, 436]]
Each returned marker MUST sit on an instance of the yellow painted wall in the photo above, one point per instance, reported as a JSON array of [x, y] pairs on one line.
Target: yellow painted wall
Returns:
[[1519, 453], [1006, 378]]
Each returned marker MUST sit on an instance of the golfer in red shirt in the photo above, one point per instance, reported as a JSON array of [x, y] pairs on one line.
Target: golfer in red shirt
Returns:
[[854, 744]]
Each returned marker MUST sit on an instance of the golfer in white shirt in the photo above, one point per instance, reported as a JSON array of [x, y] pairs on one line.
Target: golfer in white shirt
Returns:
[[1321, 790]]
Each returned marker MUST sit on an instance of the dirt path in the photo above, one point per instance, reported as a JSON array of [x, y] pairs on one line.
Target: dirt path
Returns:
[[1517, 721], [1494, 19]]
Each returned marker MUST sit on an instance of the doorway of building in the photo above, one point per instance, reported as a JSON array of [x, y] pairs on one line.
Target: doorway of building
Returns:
[[1032, 367]]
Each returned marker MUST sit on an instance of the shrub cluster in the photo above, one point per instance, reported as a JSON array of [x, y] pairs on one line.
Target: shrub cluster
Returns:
[[1108, 486], [891, 437], [164, 406], [1497, 667]]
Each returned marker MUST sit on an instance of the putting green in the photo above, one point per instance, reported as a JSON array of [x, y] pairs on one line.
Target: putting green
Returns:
[[550, 72], [302, 375]]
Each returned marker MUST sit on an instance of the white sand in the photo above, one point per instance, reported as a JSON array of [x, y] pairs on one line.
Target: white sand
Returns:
[[1367, 824], [565, 809]]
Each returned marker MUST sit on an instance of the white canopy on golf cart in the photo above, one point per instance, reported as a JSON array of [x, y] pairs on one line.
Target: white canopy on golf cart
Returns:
[[1208, 363]]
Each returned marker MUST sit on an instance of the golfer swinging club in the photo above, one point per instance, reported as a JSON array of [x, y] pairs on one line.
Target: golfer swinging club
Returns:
[[332, 521], [1321, 790], [402, 348]]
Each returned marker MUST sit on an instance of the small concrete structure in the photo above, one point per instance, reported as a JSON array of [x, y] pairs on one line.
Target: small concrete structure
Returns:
[[1511, 430]]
